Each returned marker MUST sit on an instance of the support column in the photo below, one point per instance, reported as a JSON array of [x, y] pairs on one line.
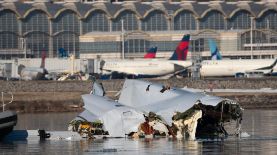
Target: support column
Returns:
[[81, 26], [139, 24], [197, 24], [168, 24], [20, 34], [225, 23], [110, 25], [51, 48]]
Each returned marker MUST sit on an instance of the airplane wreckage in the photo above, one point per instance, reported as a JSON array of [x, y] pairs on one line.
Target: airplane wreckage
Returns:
[[145, 109]]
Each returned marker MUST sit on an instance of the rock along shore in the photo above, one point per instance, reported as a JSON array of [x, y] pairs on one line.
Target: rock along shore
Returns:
[[65, 96]]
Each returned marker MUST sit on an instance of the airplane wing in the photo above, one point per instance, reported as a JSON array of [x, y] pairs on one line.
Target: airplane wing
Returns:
[[118, 119], [182, 64], [265, 70], [121, 71], [269, 67]]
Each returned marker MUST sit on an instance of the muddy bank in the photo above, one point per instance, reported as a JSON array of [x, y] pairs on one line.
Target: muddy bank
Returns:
[[32, 102], [56, 96], [252, 100], [115, 85]]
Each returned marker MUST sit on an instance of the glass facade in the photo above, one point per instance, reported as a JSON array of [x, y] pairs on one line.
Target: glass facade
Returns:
[[197, 45], [155, 21], [213, 20], [8, 40], [66, 21], [96, 21], [66, 28], [136, 46], [8, 30], [164, 46], [8, 21], [105, 47], [184, 21], [241, 20], [258, 39], [130, 21], [35, 29], [36, 21], [37, 42], [68, 41], [267, 21]]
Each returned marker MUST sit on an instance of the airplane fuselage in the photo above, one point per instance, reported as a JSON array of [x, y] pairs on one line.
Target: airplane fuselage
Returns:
[[145, 67], [32, 73], [216, 68]]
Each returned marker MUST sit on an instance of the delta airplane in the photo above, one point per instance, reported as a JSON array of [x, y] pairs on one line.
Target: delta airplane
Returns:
[[147, 68], [218, 67]]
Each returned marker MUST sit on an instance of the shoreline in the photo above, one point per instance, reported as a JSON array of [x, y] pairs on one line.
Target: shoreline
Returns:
[[65, 96], [40, 102]]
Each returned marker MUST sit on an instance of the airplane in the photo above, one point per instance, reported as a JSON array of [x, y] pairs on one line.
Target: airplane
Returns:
[[145, 109], [33, 73], [151, 53], [215, 53], [153, 67], [238, 67]]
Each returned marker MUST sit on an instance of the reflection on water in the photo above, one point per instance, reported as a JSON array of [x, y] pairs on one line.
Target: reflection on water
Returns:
[[46, 121], [260, 124]]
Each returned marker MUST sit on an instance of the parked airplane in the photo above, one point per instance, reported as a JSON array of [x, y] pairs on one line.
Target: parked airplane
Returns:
[[221, 68], [33, 73], [152, 67], [215, 53], [151, 53]]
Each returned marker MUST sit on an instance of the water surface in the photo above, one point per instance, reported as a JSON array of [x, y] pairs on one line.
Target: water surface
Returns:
[[260, 124]]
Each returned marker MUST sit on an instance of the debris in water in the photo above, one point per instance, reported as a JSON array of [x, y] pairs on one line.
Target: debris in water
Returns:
[[146, 109]]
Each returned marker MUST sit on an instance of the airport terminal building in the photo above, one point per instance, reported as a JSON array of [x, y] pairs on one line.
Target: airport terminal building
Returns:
[[93, 29]]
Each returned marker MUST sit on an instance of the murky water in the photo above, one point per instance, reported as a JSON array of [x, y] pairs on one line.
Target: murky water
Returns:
[[260, 124]]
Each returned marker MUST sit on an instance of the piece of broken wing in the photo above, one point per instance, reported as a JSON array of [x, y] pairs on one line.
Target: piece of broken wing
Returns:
[[118, 119]]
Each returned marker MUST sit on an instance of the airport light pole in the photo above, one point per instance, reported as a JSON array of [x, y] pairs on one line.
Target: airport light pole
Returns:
[[251, 37], [122, 37]]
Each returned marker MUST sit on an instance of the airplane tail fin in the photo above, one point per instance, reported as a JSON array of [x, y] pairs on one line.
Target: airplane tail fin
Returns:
[[215, 53], [181, 51], [98, 89], [151, 53], [62, 53], [43, 57]]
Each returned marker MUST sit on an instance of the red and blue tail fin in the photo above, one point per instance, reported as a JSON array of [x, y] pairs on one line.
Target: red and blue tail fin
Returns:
[[181, 51], [151, 53], [43, 57]]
